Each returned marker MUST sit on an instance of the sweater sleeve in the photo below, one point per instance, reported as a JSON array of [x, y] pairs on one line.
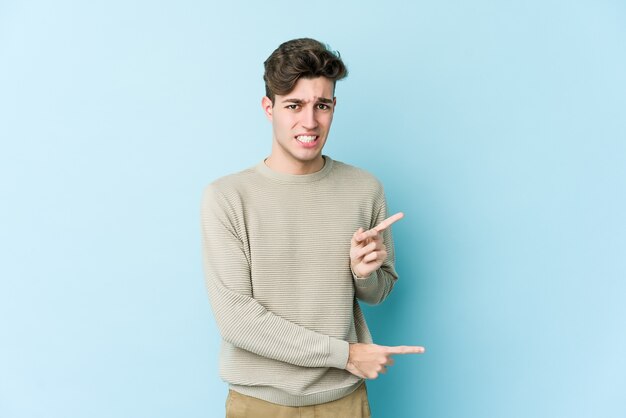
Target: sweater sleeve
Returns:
[[375, 288], [241, 319]]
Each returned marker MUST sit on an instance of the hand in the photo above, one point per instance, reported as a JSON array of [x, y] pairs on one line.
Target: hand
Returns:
[[367, 251], [368, 360]]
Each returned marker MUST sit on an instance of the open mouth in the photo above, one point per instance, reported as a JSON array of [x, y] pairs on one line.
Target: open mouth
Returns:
[[307, 140]]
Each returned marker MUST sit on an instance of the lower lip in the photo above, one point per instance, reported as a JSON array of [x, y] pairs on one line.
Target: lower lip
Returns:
[[311, 144]]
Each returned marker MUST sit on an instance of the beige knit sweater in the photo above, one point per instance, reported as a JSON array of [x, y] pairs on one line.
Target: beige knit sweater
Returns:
[[276, 251]]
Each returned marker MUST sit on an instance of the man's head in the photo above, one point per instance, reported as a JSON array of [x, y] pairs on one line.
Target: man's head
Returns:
[[300, 58], [300, 81]]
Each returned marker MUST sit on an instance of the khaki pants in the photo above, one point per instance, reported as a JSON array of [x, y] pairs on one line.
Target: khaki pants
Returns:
[[355, 405]]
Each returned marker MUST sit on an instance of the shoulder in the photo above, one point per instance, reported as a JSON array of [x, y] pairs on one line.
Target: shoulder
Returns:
[[359, 177], [228, 193], [231, 184]]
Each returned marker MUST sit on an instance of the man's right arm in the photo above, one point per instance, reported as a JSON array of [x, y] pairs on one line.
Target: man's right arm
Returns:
[[241, 319]]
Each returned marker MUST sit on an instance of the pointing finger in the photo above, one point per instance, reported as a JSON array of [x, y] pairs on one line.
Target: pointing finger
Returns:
[[361, 236], [389, 221], [406, 349]]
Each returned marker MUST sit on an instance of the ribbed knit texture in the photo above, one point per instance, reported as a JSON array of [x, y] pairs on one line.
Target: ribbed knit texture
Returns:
[[276, 251]]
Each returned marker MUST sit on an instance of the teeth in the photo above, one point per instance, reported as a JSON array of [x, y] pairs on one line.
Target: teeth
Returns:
[[306, 138]]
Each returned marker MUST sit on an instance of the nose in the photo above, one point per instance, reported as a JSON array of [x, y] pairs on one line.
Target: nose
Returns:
[[309, 119]]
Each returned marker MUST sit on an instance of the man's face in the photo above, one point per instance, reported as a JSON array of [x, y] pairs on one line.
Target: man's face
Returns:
[[301, 121]]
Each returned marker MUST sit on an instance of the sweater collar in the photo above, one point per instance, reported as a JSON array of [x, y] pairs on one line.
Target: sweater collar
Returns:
[[296, 178]]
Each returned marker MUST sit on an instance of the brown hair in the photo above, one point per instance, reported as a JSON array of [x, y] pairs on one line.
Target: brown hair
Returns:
[[297, 58]]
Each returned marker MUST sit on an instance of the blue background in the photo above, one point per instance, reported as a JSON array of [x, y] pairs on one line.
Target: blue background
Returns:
[[499, 128]]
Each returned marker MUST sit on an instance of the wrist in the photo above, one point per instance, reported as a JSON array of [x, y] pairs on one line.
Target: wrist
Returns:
[[355, 275], [339, 353]]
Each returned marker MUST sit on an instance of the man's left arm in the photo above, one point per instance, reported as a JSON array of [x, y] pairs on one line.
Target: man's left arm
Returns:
[[372, 259]]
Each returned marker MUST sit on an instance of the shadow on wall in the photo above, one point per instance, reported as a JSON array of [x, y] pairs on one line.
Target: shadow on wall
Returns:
[[404, 318]]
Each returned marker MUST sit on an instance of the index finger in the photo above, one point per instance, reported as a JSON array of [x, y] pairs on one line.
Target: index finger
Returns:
[[389, 221], [406, 349]]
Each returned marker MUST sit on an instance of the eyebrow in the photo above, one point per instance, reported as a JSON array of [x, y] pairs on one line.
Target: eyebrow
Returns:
[[300, 101]]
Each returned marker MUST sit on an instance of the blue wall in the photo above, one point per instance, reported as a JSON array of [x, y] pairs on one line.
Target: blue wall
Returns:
[[499, 129]]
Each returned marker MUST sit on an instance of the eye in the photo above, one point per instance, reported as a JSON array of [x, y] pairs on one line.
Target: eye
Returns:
[[292, 107], [322, 106]]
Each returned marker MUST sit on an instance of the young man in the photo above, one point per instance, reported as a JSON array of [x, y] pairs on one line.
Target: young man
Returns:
[[289, 246]]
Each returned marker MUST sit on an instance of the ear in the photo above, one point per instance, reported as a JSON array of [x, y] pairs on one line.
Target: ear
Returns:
[[334, 102], [268, 107]]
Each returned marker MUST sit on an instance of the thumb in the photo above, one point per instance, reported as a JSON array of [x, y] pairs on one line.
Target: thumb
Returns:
[[358, 231]]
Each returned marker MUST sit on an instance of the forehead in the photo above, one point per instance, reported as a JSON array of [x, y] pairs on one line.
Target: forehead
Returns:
[[311, 89]]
